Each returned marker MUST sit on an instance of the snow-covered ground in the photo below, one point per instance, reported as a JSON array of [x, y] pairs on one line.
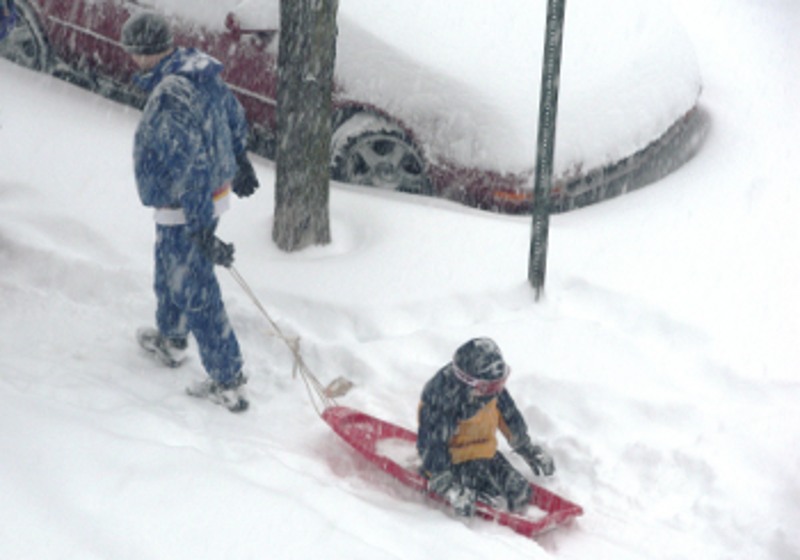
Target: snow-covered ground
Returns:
[[661, 368]]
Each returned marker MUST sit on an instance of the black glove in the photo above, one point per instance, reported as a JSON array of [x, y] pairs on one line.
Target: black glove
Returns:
[[245, 181], [213, 248], [461, 498], [537, 458]]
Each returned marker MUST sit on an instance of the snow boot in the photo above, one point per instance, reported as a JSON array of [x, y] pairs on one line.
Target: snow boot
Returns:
[[233, 398], [169, 351]]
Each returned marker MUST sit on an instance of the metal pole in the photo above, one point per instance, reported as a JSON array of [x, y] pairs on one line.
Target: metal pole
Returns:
[[548, 107]]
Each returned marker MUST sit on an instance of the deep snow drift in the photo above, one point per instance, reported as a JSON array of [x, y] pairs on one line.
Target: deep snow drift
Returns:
[[660, 369]]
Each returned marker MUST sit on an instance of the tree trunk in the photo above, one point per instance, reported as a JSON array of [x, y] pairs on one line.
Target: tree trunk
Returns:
[[306, 56]]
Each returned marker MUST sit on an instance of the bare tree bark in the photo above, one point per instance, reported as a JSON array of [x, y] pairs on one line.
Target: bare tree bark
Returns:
[[306, 57]]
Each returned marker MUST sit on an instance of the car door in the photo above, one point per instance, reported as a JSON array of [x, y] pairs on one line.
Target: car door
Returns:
[[85, 34]]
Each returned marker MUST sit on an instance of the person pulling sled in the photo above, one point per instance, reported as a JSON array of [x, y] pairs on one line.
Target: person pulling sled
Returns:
[[189, 153], [462, 407]]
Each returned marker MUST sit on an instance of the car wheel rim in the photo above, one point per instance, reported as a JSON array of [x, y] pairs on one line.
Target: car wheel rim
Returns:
[[385, 162]]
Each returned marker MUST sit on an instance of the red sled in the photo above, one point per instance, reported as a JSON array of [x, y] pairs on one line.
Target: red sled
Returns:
[[392, 448]]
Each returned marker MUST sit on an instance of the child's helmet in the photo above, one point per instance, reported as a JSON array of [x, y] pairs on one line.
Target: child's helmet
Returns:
[[480, 365]]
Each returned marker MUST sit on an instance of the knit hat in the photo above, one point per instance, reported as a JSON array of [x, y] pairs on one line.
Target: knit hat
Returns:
[[146, 33], [480, 365]]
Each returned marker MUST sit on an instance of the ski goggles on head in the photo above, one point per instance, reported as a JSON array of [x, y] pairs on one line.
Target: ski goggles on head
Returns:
[[482, 387]]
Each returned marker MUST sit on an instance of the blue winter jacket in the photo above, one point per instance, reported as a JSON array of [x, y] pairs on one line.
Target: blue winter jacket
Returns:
[[191, 131]]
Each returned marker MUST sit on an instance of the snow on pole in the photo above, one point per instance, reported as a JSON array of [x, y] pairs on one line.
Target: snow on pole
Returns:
[[548, 108]]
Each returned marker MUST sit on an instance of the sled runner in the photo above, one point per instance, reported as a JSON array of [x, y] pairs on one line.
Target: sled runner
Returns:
[[392, 448]]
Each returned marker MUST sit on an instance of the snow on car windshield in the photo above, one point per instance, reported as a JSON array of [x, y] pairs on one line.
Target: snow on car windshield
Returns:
[[464, 74]]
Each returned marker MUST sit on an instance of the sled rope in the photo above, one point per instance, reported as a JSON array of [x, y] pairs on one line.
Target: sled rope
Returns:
[[321, 397]]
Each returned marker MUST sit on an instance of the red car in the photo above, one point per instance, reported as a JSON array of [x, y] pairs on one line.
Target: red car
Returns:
[[404, 118]]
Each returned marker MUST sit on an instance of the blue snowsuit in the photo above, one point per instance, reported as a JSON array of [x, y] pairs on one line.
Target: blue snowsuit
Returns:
[[185, 151]]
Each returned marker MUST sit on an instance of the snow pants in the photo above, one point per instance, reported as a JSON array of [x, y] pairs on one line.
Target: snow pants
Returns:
[[493, 478], [189, 301]]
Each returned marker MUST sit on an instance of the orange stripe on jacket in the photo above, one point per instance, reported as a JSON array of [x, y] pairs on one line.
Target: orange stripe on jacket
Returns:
[[221, 192]]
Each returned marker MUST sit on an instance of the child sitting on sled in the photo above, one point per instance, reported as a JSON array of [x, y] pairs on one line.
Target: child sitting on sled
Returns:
[[462, 408]]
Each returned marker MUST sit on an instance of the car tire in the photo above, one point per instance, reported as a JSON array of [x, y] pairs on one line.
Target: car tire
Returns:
[[369, 150], [26, 44]]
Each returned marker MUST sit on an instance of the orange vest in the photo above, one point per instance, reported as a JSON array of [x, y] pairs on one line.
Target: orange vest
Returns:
[[476, 437]]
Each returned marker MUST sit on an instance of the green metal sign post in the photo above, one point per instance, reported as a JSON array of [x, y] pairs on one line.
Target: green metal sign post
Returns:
[[548, 106]]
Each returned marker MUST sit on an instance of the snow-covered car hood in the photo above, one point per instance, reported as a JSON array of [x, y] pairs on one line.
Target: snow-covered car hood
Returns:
[[464, 75]]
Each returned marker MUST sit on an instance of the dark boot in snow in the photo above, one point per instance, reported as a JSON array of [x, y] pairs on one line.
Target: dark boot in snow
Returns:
[[231, 397], [169, 351]]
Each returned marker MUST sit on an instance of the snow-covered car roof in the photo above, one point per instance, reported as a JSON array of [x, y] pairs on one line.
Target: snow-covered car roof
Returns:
[[464, 75]]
